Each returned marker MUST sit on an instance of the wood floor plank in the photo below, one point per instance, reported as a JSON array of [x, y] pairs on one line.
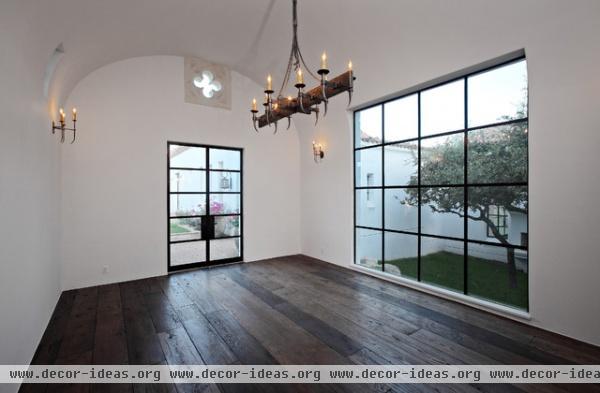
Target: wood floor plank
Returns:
[[179, 349], [110, 344], [469, 314], [352, 324], [458, 324], [175, 292], [47, 350], [343, 344], [247, 349], [161, 311], [365, 302], [245, 346], [207, 341], [290, 310], [574, 351], [199, 287], [289, 343], [143, 345], [371, 320], [275, 334], [79, 332]]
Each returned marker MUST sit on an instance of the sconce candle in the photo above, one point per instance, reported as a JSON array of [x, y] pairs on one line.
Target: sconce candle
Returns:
[[350, 65], [61, 126], [254, 108], [318, 153]]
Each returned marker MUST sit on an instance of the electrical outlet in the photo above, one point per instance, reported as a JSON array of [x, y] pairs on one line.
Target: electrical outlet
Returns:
[[105, 269]]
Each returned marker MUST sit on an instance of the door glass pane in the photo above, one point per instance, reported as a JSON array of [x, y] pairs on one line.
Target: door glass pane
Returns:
[[225, 159], [498, 274], [187, 156], [498, 154], [187, 204], [185, 229], [401, 209], [225, 248], [401, 254], [442, 160], [498, 214], [498, 95], [401, 164], [187, 181], [224, 181], [368, 126], [402, 119], [441, 211], [442, 263], [224, 203], [368, 248], [368, 208], [443, 108], [189, 252], [368, 167], [226, 226]]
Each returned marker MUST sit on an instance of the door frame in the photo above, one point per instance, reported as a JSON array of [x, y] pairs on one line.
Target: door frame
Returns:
[[208, 262]]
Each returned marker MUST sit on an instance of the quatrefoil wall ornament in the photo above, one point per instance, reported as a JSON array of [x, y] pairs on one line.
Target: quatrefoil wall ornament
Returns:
[[206, 83]]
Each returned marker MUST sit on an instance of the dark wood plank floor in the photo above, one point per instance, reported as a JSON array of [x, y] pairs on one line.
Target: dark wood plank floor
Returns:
[[291, 310]]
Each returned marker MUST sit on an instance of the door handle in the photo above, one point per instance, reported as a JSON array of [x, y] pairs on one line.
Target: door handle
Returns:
[[208, 227]]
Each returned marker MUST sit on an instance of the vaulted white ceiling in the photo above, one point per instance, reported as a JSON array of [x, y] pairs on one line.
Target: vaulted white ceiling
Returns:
[[253, 36]]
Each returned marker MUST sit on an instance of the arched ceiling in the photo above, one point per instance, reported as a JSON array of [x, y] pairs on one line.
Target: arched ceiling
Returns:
[[251, 36]]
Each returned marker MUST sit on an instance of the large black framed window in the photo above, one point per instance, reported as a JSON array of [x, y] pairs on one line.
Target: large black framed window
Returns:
[[441, 184]]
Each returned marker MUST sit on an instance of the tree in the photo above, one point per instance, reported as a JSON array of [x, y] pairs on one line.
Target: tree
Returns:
[[495, 155]]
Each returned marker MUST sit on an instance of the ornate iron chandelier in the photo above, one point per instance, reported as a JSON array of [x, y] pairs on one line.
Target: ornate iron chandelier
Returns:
[[307, 102]]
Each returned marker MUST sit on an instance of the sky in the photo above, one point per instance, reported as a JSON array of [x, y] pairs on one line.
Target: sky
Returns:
[[493, 95]]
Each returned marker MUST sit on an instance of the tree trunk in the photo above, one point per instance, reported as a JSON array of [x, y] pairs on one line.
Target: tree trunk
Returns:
[[512, 268]]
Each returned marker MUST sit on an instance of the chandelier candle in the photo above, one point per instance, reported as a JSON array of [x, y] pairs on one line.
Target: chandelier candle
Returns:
[[269, 83], [324, 61], [277, 107], [299, 77]]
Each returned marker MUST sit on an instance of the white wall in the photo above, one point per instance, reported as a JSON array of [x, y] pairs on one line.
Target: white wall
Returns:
[[114, 177], [29, 193], [414, 43]]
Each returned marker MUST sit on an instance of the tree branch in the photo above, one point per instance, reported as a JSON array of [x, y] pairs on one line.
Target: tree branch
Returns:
[[482, 217]]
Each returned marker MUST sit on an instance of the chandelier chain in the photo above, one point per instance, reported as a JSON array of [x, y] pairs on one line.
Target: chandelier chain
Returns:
[[295, 60]]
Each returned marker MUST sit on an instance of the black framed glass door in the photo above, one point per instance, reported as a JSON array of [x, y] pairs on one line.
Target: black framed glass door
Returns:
[[204, 205]]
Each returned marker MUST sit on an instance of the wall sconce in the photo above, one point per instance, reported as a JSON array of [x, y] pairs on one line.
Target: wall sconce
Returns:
[[318, 152], [61, 125]]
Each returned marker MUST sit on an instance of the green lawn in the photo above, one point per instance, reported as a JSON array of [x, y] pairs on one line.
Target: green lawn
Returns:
[[487, 279], [178, 229]]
